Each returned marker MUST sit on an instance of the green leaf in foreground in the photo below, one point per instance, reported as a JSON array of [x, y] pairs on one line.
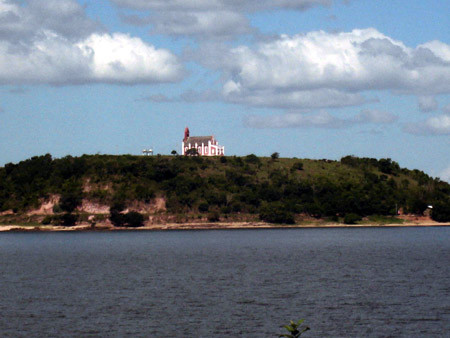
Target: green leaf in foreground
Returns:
[[295, 329]]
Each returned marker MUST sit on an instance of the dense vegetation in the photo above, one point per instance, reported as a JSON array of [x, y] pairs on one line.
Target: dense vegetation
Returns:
[[276, 189]]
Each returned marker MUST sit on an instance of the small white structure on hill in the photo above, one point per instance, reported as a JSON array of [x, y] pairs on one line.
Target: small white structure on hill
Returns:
[[205, 145]]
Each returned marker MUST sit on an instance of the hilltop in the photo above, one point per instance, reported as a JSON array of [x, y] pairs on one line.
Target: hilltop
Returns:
[[131, 190]]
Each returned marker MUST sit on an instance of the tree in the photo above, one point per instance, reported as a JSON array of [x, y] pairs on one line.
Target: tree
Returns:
[[133, 219], [297, 166], [276, 213], [203, 207], [275, 156], [351, 218], [69, 219], [174, 152], [252, 158], [192, 152], [214, 216], [441, 212]]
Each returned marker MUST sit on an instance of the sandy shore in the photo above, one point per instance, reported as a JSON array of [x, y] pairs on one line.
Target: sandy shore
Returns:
[[206, 226]]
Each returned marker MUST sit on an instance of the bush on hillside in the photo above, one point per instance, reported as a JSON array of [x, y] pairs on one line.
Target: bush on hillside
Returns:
[[275, 156], [352, 218], [276, 213], [214, 216], [252, 158], [297, 166], [441, 212], [131, 219], [68, 219], [203, 207]]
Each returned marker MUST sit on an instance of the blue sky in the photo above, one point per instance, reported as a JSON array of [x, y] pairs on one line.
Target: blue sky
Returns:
[[305, 78]]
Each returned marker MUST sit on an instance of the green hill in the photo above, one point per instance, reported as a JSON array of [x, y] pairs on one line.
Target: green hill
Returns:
[[273, 189]]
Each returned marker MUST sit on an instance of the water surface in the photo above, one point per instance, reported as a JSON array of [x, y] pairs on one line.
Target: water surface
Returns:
[[371, 282]]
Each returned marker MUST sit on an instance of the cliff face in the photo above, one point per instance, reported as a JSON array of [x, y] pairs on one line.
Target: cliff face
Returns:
[[276, 188]]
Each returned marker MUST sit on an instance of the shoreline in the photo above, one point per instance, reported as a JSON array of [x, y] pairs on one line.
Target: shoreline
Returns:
[[208, 226]]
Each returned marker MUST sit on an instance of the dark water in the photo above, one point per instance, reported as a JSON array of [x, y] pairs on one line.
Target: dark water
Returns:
[[376, 282]]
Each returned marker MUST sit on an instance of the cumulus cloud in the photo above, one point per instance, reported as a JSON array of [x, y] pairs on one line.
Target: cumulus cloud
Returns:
[[437, 125], [427, 104], [218, 18], [25, 21], [55, 43], [322, 69], [116, 58]]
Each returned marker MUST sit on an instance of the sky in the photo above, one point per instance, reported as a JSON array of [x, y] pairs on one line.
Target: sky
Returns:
[[304, 78]]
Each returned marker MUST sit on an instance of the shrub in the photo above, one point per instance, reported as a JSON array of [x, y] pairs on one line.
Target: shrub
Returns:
[[236, 206], [116, 218], [275, 156], [57, 209], [297, 166], [252, 158], [203, 207], [441, 212], [226, 209], [68, 219], [214, 216], [69, 202], [133, 219], [352, 218], [47, 220], [192, 152], [117, 206], [276, 213]]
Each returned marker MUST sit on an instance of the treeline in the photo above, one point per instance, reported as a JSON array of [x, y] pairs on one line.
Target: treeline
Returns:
[[274, 188]]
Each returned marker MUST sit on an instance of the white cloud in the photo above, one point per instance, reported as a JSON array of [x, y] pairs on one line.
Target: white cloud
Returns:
[[322, 69], [322, 119], [121, 58], [357, 60], [437, 125], [53, 42], [304, 99], [202, 5], [427, 104], [26, 21], [208, 23], [292, 120], [188, 96], [218, 18], [375, 116], [446, 109]]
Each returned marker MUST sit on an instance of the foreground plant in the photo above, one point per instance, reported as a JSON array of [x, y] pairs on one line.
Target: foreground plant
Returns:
[[295, 329]]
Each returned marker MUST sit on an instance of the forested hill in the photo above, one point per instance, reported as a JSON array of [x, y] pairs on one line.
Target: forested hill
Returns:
[[276, 189]]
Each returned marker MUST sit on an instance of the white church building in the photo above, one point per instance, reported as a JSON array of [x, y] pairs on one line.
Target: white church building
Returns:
[[205, 145]]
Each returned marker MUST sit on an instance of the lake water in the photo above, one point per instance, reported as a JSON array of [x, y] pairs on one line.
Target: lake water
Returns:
[[371, 282]]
